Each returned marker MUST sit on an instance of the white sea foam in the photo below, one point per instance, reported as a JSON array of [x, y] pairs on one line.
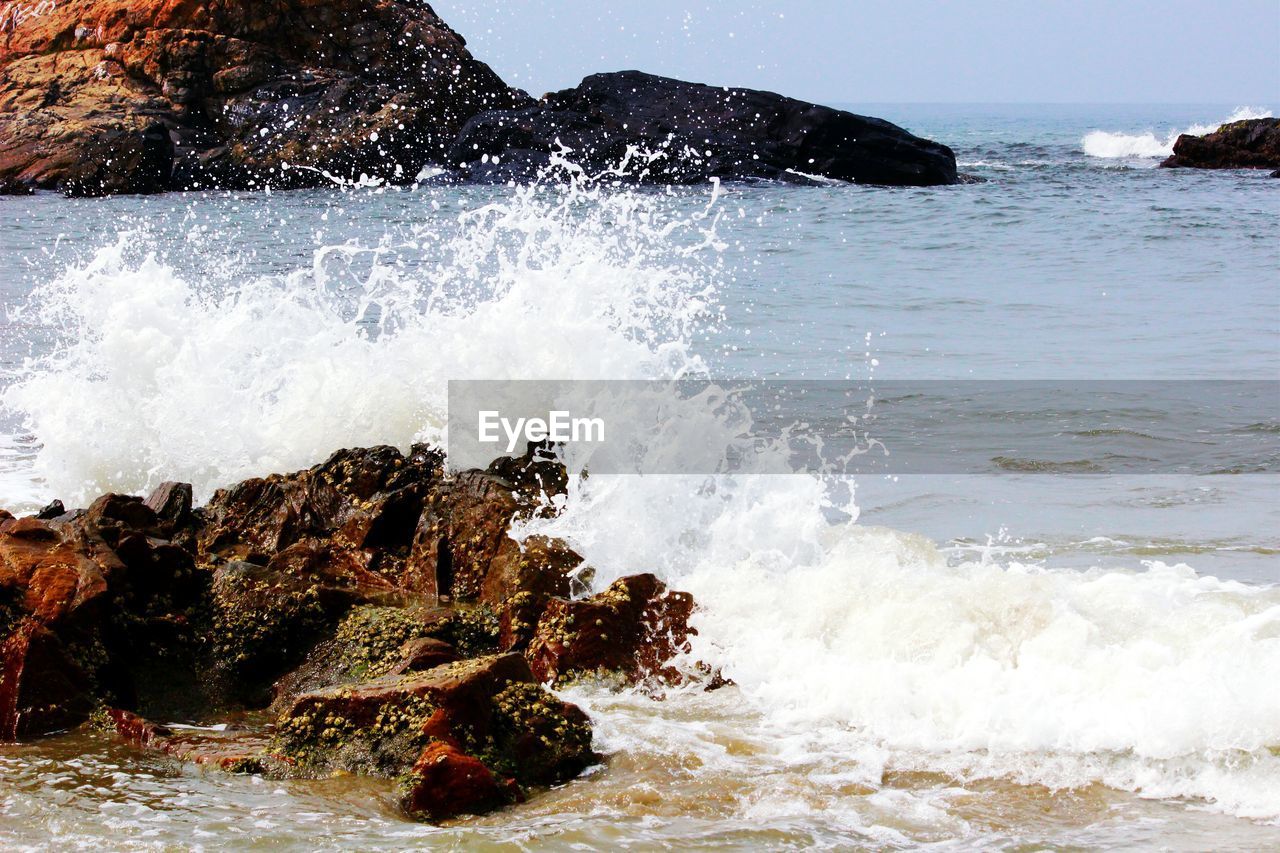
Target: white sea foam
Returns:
[[1158, 681], [160, 378], [1138, 146], [862, 644]]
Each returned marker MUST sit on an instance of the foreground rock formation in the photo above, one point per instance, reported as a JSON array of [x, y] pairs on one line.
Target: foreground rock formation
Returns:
[[686, 133], [369, 615], [136, 96], [1250, 144]]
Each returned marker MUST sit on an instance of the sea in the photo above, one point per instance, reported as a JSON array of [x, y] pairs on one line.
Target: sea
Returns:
[[1042, 652]]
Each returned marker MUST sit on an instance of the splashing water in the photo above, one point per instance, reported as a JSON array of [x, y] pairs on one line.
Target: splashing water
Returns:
[[158, 377], [860, 655], [1118, 145]]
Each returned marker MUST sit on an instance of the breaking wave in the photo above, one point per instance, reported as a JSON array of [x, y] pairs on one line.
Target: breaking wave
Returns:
[[859, 650], [1119, 145]]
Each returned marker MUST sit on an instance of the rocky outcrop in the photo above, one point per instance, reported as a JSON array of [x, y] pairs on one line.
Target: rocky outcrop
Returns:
[[1249, 144], [669, 131], [371, 614], [136, 96], [112, 96]]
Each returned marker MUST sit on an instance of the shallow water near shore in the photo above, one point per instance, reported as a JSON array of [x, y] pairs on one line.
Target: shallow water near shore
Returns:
[[1013, 660]]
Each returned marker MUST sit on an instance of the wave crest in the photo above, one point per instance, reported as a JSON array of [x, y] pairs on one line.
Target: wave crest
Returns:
[[1136, 146]]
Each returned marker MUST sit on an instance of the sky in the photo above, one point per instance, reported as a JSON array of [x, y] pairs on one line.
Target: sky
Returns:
[[893, 51]]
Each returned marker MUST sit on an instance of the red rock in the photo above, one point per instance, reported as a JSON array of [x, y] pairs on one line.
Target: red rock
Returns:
[[43, 687], [137, 731], [105, 96], [74, 594], [349, 520], [522, 579], [632, 629], [233, 751], [446, 782], [373, 518], [463, 531]]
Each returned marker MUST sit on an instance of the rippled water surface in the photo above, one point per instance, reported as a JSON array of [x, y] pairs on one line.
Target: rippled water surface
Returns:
[[1012, 660]]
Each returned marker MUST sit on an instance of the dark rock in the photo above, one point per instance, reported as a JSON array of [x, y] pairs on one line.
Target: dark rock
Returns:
[[1248, 144], [265, 621], [630, 630], [8, 186], [171, 502], [121, 160], [112, 96], [53, 510], [697, 132], [109, 515], [350, 520]]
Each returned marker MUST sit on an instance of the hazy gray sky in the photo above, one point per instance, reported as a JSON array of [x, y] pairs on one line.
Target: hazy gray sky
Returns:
[[1188, 51]]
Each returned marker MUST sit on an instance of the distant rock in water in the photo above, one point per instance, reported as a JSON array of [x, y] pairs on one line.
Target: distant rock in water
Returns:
[[1250, 144], [135, 96], [697, 132]]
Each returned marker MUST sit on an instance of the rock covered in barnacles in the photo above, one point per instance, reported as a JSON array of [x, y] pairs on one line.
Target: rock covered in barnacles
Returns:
[[486, 712], [632, 629]]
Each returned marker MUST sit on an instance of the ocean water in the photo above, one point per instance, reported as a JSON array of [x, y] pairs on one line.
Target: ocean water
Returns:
[[1009, 659]]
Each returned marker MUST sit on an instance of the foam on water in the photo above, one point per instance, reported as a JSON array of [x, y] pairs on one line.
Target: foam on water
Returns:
[[1139, 146], [1157, 681], [854, 647]]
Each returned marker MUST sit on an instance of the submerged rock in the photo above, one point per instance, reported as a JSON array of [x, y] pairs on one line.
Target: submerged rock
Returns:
[[233, 751], [1249, 144], [688, 133]]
